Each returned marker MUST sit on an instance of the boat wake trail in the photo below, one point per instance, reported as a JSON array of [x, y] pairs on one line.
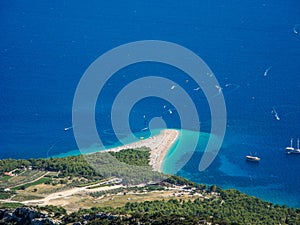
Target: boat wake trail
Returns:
[[274, 112]]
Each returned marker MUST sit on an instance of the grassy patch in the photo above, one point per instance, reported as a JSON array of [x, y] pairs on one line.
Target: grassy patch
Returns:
[[101, 185], [4, 178], [45, 189], [21, 198], [92, 183], [11, 205], [5, 195], [40, 181]]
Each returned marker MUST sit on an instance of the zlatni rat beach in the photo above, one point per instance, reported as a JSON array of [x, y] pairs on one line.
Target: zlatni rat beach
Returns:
[[159, 145]]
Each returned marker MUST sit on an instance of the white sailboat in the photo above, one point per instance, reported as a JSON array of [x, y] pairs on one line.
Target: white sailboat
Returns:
[[293, 150], [290, 148]]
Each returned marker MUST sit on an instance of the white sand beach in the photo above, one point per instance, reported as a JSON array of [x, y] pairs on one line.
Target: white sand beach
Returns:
[[159, 145]]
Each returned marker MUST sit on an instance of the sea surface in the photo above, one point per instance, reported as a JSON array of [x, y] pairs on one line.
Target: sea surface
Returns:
[[252, 47]]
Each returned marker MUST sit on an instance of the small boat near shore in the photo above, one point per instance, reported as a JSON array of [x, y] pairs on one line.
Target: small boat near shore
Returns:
[[252, 158]]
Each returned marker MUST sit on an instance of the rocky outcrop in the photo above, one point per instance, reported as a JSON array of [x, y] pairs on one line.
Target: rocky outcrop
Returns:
[[25, 216]]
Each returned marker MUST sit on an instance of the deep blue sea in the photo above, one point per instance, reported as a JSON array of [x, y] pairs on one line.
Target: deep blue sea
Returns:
[[253, 48]]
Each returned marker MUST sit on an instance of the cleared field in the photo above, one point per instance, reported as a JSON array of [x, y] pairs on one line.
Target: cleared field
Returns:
[[85, 201], [4, 179], [4, 195], [4, 205], [26, 177], [22, 197], [44, 189], [121, 199], [40, 181]]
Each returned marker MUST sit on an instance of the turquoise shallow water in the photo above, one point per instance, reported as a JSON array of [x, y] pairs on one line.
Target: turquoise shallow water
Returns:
[[266, 179], [183, 149]]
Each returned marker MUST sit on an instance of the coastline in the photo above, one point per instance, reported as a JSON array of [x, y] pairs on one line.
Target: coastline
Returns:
[[159, 144]]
